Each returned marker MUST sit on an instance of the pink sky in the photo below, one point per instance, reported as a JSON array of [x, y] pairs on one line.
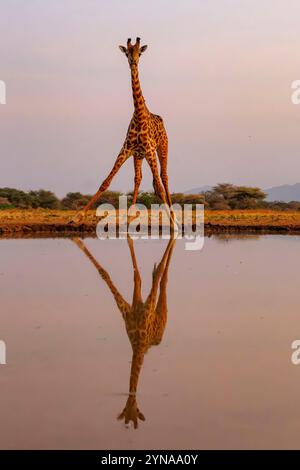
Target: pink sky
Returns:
[[218, 72]]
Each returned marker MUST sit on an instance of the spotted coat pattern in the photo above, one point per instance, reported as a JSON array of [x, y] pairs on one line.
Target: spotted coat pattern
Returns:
[[146, 139]]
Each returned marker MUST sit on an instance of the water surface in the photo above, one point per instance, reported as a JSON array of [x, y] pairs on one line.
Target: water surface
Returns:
[[220, 377]]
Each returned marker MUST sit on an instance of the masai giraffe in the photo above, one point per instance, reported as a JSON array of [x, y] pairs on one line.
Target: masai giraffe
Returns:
[[145, 321], [145, 137]]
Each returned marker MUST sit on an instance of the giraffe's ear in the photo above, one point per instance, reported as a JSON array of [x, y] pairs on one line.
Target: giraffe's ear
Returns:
[[142, 49], [123, 49]]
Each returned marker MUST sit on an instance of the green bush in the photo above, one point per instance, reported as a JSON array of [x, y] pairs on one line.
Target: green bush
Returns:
[[224, 196]]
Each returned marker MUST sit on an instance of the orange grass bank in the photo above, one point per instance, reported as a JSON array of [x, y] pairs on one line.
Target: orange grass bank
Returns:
[[22, 222]]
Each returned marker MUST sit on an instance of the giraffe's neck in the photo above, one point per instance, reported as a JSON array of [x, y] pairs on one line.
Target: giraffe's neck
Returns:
[[136, 365], [138, 99]]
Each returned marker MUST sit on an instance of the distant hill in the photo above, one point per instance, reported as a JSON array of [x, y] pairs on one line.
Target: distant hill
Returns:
[[286, 193], [200, 190]]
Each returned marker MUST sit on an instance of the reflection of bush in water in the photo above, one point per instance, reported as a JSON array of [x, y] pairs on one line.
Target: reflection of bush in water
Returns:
[[228, 237]]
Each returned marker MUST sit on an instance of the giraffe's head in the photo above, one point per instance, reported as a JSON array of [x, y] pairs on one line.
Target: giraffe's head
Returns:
[[133, 52]]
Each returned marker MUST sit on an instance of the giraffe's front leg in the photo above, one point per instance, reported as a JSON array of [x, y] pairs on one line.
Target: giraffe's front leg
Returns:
[[122, 157], [123, 306], [137, 291], [137, 177], [151, 159], [137, 181]]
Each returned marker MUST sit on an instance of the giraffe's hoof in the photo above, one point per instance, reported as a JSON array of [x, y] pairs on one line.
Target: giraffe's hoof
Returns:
[[77, 218]]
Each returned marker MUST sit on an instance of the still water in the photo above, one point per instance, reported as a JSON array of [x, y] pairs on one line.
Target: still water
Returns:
[[204, 339]]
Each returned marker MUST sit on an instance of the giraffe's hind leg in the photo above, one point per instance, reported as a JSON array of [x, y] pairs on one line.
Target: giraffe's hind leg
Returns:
[[137, 177], [162, 152]]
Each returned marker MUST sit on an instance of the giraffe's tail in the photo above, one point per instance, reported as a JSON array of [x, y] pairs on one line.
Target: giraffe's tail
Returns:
[[154, 271]]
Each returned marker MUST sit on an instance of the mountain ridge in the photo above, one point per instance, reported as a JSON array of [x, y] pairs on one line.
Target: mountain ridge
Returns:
[[284, 192]]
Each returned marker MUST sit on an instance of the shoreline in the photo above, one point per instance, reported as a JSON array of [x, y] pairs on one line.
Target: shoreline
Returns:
[[15, 223]]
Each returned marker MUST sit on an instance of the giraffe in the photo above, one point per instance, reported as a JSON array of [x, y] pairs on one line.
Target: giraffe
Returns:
[[146, 137], [144, 321]]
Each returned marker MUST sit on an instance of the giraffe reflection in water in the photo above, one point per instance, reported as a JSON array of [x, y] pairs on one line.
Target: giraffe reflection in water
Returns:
[[145, 321]]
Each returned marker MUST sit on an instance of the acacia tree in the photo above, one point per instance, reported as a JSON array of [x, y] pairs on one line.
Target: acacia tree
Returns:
[[16, 197], [75, 200], [228, 196], [44, 199]]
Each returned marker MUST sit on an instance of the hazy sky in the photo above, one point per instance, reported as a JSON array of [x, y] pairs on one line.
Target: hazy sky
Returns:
[[218, 71]]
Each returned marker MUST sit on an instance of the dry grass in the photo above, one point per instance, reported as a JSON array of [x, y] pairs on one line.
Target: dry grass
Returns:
[[35, 216], [22, 220], [254, 218]]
